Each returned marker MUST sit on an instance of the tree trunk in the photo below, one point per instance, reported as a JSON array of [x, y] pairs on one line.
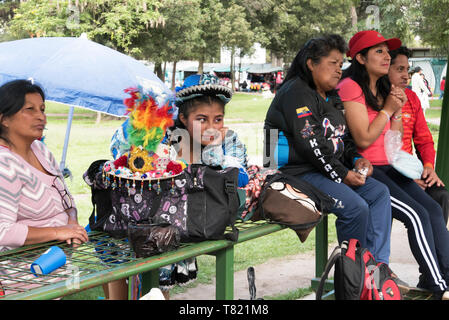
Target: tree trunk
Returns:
[[201, 64], [442, 158], [232, 69], [163, 71], [173, 78], [158, 69], [240, 68], [354, 18]]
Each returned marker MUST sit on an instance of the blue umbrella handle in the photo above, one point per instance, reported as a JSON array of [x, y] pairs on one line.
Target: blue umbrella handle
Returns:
[[65, 171]]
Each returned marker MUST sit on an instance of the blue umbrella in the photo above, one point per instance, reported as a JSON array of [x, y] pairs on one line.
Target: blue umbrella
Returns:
[[77, 72]]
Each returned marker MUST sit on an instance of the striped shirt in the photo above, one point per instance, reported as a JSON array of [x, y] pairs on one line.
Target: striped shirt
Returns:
[[27, 195], [416, 131]]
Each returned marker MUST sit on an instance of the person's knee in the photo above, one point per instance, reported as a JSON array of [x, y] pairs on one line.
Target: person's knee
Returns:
[[357, 210], [380, 192]]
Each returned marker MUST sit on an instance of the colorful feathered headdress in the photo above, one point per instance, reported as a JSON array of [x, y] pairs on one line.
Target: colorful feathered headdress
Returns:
[[148, 121]]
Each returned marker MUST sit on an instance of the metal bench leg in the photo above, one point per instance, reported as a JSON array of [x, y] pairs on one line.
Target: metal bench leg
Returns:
[[321, 243], [225, 274], [150, 279]]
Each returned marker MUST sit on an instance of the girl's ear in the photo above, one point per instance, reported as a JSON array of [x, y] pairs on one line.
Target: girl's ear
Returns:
[[183, 119], [360, 58]]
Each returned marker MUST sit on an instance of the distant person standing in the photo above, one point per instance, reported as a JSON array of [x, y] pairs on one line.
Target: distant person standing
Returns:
[[442, 86], [423, 76], [420, 88]]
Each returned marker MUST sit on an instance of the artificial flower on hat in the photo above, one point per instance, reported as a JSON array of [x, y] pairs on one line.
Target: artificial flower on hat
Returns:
[[138, 147]]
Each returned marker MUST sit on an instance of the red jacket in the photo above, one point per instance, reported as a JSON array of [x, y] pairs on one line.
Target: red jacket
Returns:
[[416, 129]]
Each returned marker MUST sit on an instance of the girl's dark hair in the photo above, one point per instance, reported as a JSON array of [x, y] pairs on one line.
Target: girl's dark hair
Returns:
[[314, 49], [12, 99], [358, 73], [186, 107]]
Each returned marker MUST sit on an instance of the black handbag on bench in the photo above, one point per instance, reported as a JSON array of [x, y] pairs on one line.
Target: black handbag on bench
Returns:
[[201, 202]]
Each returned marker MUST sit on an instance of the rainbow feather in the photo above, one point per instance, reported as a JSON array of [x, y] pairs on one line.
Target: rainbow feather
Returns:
[[148, 121]]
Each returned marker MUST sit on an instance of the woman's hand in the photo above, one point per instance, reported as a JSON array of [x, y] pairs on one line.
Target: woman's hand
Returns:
[[364, 165], [354, 179], [395, 100], [71, 233]]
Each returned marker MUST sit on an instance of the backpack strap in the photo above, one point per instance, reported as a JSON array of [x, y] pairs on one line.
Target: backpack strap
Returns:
[[330, 263], [230, 191], [352, 247]]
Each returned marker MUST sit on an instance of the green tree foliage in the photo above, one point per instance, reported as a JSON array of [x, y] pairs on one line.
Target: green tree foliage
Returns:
[[283, 26], [174, 39], [433, 27], [207, 45], [170, 30], [407, 19], [235, 32], [113, 22]]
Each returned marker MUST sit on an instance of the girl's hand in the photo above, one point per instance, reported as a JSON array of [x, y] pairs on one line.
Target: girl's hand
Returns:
[[395, 100]]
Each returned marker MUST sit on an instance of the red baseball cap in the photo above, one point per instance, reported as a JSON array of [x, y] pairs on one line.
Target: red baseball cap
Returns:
[[369, 38]]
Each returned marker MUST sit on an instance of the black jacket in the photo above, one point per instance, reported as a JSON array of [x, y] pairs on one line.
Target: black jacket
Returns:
[[312, 133]]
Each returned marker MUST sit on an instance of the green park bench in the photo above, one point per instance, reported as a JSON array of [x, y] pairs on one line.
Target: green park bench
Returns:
[[104, 259]]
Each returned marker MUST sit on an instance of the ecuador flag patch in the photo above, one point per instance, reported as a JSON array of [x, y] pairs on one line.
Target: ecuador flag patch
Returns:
[[303, 112]]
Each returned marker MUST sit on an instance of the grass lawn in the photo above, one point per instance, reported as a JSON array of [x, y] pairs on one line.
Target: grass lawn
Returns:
[[247, 108], [89, 142]]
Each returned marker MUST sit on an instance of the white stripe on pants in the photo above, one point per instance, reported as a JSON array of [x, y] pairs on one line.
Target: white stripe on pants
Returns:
[[421, 240]]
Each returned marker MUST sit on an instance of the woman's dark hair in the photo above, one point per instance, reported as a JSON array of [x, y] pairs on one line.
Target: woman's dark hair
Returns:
[[12, 99], [314, 49], [186, 107], [359, 74], [401, 50]]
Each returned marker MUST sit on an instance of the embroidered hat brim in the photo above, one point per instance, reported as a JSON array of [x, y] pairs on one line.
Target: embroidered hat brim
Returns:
[[222, 92], [202, 85]]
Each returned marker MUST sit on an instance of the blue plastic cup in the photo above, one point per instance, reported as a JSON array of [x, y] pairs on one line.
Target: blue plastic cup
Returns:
[[49, 261]]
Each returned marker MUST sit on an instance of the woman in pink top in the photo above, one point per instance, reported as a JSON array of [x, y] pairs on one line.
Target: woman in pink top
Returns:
[[373, 106], [35, 205]]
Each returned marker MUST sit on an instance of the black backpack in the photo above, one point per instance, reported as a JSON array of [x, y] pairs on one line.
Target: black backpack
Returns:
[[358, 276]]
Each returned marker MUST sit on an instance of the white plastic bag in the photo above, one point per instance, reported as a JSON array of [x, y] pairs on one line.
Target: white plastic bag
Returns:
[[402, 161]]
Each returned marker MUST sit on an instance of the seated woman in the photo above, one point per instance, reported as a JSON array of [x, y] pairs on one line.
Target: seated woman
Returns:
[[314, 144], [198, 136], [35, 204], [372, 107]]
